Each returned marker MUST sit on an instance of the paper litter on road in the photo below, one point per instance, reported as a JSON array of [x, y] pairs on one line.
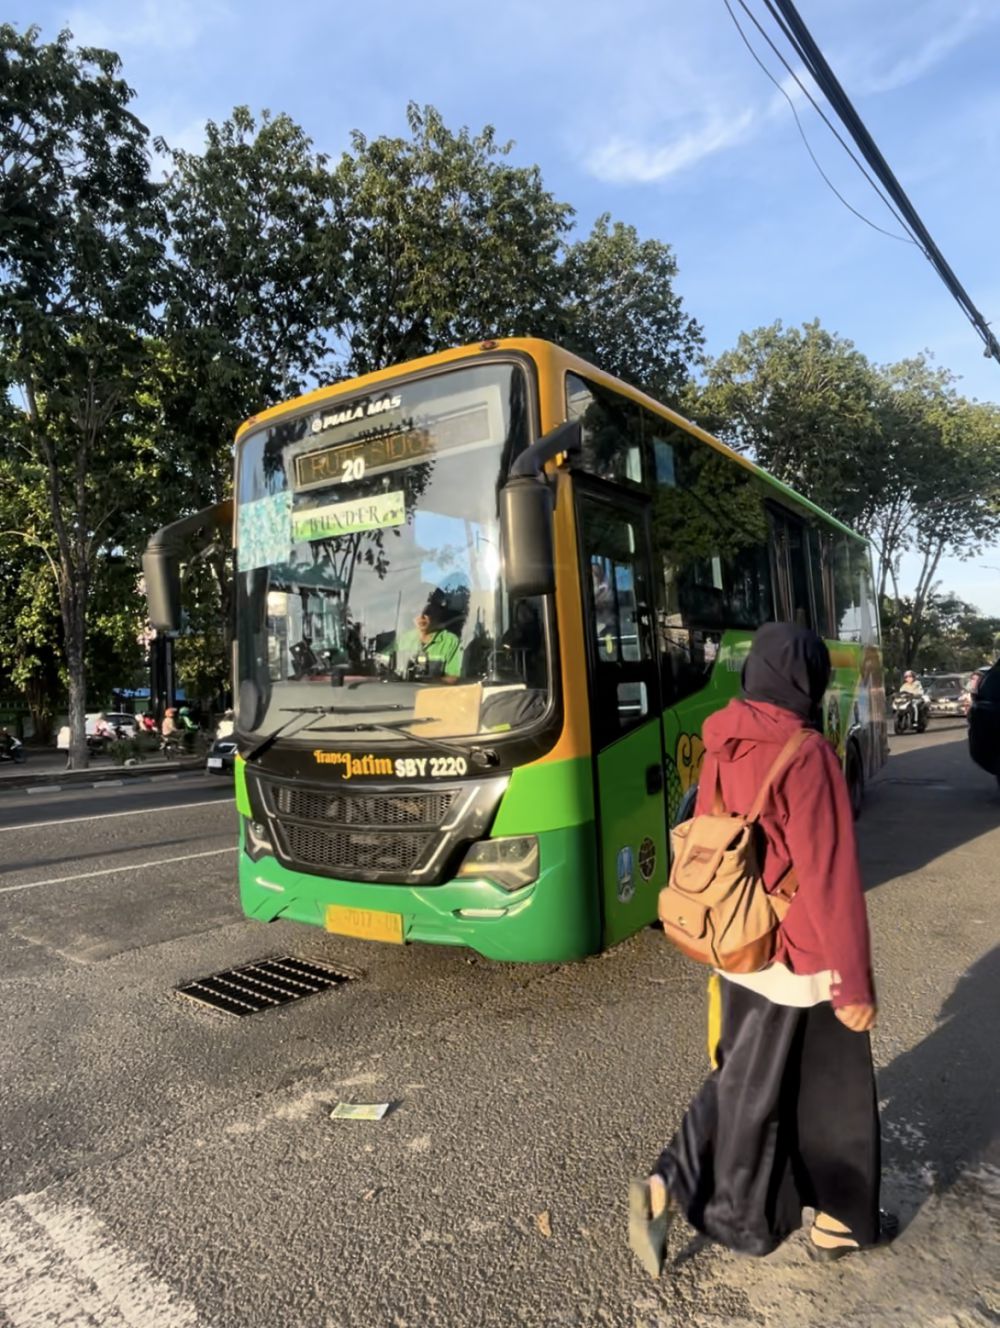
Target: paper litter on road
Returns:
[[359, 1110]]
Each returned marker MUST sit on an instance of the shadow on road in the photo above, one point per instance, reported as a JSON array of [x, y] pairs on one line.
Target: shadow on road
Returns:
[[929, 800], [943, 1109]]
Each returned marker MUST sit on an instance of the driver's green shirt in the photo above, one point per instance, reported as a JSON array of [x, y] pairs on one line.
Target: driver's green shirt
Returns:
[[441, 645]]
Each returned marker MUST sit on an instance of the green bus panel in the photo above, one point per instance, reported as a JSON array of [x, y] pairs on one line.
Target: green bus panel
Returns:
[[633, 832], [554, 920]]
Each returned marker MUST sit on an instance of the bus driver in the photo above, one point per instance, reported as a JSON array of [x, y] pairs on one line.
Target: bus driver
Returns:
[[434, 651]]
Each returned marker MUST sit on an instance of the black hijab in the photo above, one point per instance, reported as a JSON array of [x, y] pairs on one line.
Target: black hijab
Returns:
[[788, 666]]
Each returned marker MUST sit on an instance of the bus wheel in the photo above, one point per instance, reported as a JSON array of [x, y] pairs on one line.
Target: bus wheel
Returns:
[[855, 776]]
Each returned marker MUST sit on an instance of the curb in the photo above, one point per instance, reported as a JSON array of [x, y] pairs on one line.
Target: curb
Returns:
[[57, 781]]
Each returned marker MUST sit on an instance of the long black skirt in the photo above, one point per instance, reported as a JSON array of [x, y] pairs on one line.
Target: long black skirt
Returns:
[[788, 1120]]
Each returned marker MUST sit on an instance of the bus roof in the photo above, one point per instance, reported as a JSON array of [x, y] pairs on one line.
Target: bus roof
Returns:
[[539, 350]]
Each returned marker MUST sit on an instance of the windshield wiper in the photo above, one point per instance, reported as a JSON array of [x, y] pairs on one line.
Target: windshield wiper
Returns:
[[482, 756], [314, 713]]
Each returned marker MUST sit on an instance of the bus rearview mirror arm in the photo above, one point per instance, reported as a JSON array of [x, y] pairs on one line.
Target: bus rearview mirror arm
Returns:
[[161, 562], [526, 514], [566, 438]]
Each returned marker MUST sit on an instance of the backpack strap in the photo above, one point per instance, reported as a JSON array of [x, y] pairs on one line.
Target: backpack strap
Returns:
[[783, 758]]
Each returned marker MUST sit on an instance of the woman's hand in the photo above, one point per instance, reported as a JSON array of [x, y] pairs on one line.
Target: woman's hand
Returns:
[[858, 1018]]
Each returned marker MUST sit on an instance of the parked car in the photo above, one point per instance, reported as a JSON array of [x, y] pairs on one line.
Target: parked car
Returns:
[[984, 723], [221, 756], [944, 692]]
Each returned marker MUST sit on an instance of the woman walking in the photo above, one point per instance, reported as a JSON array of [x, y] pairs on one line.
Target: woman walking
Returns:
[[789, 1118]]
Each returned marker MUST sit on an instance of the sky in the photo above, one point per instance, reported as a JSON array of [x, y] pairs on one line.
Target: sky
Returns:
[[654, 111]]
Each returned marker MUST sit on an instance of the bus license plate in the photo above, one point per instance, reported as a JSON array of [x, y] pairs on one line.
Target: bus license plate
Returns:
[[366, 923]]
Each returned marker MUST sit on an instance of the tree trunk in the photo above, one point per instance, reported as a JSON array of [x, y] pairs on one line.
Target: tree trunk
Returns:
[[74, 620]]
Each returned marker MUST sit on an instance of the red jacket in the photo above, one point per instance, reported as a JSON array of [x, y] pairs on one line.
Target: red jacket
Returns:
[[807, 823]]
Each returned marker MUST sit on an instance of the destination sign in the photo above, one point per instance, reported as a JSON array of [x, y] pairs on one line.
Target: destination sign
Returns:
[[347, 461], [343, 462], [336, 519]]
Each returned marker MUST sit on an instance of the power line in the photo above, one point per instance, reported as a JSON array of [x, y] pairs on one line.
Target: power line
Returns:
[[904, 239], [791, 24]]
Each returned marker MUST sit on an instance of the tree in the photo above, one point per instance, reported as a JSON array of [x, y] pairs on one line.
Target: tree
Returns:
[[955, 636], [941, 489], [893, 451], [620, 310], [446, 243], [805, 403], [255, 292], [80, 272], [255, 299]]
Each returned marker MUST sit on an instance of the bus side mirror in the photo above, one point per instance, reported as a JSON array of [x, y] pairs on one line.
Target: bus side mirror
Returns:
[[161, 563], [526, 537], [161, 570]]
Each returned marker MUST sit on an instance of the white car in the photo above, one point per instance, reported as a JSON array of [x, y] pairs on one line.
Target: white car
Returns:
[[117, 719]]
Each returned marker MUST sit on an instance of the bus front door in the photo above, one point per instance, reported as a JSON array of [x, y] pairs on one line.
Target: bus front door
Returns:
[[624, 688]]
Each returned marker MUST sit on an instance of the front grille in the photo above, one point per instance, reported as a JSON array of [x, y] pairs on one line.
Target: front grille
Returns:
[[385, 811], [349, 853], [390, 835]]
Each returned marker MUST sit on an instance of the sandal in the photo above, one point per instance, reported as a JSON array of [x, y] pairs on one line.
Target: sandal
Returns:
[[647, 1235], [888, 1229]]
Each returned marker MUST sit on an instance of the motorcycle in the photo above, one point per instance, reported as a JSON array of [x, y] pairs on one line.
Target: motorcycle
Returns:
[[13, 751], [910, 713]]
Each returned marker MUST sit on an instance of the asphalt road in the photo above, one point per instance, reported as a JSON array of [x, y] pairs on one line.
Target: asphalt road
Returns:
[[165, 1167]]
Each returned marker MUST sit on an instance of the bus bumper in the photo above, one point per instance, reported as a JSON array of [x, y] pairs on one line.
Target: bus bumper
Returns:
[[557, 918]]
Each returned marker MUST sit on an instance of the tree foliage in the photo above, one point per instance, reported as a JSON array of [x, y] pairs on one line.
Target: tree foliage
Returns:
[[254, 288], [80, 267], [446, 242], [893, 450], [620, 309]]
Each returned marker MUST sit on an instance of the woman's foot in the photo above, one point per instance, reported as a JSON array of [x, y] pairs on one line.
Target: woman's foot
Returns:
[[830, 1239], [650, 1210]]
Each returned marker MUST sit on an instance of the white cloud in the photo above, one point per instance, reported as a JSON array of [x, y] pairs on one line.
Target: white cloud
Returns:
[[711, 113], [624, 160]]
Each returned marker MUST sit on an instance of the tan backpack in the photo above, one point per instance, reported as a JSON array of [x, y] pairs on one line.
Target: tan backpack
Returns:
[[715, 907]]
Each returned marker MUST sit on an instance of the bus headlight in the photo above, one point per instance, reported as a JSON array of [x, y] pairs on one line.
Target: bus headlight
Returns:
[[510, 863], [256, 839]]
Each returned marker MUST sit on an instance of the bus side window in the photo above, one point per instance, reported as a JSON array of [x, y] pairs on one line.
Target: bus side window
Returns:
[[846, 590], [861, 561], [711, 535], [612, 433], [792, 557], [820, 561], [618, 603]]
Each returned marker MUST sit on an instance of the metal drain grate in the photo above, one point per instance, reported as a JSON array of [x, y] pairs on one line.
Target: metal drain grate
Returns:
[[260, 986]]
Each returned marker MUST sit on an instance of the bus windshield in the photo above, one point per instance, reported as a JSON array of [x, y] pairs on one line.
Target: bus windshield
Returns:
[[368, 564]]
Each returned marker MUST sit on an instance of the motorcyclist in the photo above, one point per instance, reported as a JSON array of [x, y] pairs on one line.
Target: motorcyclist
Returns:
[[186, 727], [912, 686]]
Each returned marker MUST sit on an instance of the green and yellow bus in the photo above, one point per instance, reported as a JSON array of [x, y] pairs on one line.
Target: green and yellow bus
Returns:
[[484, 602]]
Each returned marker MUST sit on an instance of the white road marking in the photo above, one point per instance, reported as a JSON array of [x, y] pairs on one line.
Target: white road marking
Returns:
[[61, 1268], [45, 788], [110, 871], [104, 816]]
